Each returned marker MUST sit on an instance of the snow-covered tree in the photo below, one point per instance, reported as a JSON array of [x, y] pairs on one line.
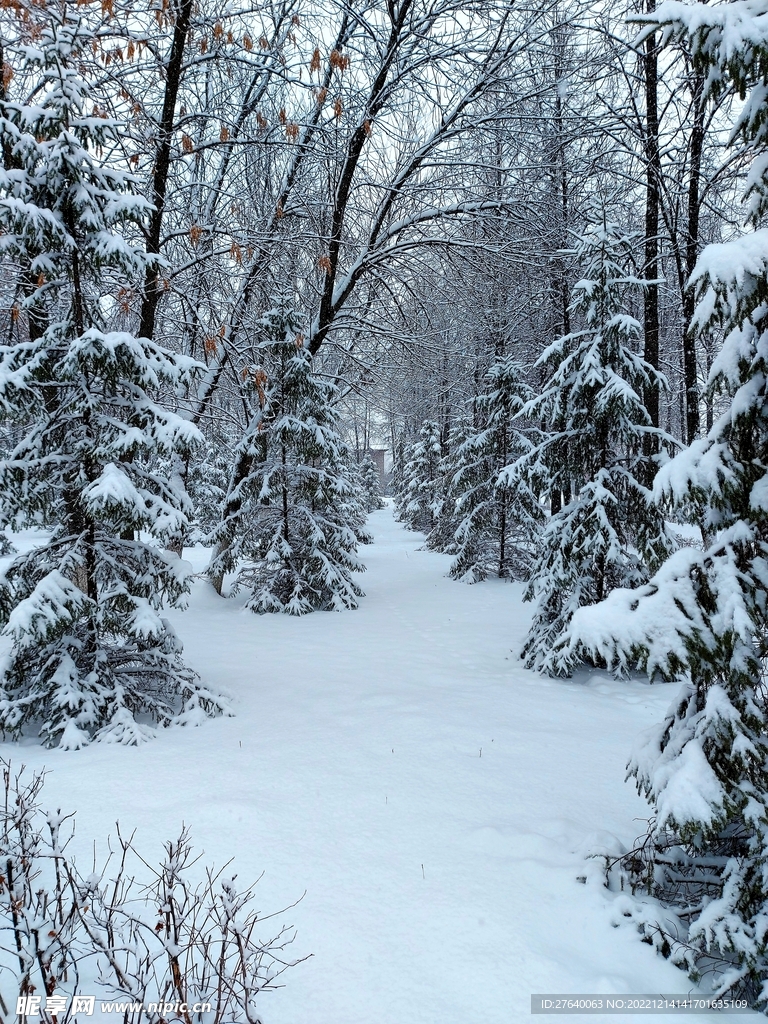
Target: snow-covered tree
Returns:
[[370, 484], [703, 617], [298, 515], [90, 650], [498, 514], [442, 536], [354, 507], [596, 430], [206, 480], [400, 458], [422, 479]]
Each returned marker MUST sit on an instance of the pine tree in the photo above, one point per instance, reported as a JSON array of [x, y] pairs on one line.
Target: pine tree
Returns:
[[703, 618], [89, 648], [442, 536], [596, 429], [498, 513], [421, 479], [206, 480], [299, 517], [354, 507], [401, 457], [370, 484]]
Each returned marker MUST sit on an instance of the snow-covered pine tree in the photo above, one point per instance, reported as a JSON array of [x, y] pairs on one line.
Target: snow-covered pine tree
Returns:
[[294, 532], [422, 479], [595, 424], [89, 649], [703, 618], [400, 460], [6, 447], [206, 477], [354, 507], [499, 516], [442, 536], [370, 484]]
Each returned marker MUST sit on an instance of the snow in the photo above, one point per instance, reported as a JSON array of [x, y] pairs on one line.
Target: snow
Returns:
[[684, 784], [731, 30], [54, 598], [729, 268], [434, 799]]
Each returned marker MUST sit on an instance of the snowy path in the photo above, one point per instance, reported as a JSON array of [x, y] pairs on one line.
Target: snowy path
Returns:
[[440, 883]]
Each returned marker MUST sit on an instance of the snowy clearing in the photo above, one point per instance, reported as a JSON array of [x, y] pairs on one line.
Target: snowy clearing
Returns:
[[433, 798]]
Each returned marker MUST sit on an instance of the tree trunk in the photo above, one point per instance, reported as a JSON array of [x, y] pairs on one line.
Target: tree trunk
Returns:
[[152, 285], [691, 255], [503, 539], [653, 177], [564, 197]]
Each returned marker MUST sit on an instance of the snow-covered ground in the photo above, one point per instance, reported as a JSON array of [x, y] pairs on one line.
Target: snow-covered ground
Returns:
[[432, 798]]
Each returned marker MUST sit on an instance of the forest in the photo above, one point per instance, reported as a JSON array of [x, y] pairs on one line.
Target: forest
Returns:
[[274, 273]]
